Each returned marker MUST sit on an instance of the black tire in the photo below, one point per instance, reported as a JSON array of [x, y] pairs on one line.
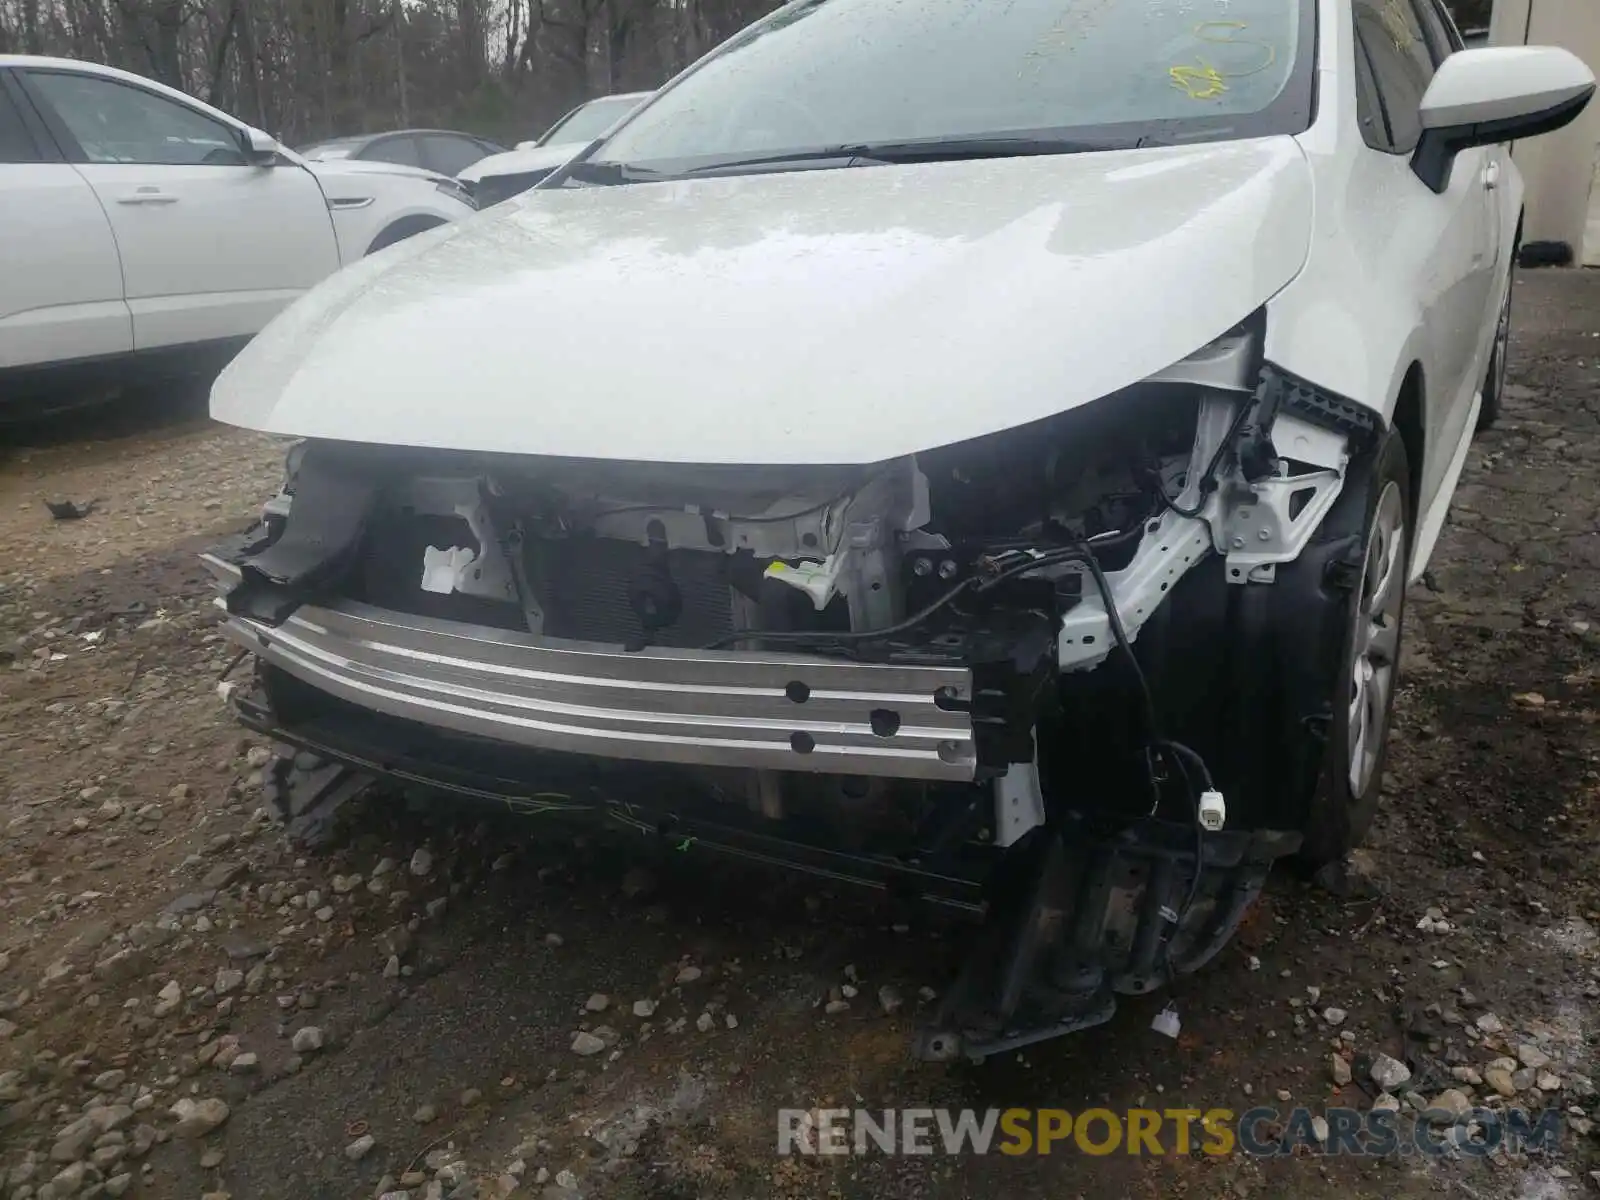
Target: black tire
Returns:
[[1494, 381], [401, 230], [1343, 808]]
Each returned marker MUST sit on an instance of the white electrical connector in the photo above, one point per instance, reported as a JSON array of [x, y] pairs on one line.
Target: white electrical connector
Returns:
[[1213, 811], [1166, 1021]]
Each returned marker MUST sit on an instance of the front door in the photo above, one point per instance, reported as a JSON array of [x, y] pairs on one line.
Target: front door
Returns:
[[212, 246]]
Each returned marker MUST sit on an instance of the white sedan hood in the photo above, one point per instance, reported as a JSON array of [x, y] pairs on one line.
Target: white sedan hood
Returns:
[[519, 161], [839, 316], [340, 169]]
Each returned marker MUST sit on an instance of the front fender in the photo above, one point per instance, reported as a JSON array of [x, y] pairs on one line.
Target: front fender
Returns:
[[356, 228], [1341, 329]]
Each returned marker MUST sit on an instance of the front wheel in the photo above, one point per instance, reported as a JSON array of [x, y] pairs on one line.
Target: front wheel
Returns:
[[1494, 382], [1357, 742]]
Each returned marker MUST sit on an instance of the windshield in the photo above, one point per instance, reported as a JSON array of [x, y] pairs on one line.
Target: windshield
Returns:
[[857, 73], [590, 120]]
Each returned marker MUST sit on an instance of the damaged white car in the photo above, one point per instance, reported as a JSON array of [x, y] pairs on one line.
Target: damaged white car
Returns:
[[973, 449]]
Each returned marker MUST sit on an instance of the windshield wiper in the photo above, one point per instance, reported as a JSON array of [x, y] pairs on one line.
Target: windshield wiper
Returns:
[[606, 173], [862, 154], [931, 150], [950, 149]]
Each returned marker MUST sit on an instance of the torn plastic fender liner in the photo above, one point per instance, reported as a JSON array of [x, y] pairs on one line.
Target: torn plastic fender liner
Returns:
[[335, 497], [1301, 398]]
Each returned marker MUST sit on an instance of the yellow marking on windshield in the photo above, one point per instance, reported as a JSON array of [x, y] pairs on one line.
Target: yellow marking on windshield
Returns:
[[1070, 29], [1201, 80]]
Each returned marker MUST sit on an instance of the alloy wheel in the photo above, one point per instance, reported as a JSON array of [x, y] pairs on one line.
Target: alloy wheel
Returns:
[[1376, 644]]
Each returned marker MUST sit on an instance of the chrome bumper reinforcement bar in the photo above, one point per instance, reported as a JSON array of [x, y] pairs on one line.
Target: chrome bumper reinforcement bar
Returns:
[[713, 708]]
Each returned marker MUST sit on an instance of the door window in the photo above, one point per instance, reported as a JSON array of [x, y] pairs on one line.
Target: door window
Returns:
[[114, 122], [1369, 105], [1402, 64], [1452, 32], [447, 155], [402, 150], [16, 143], [1433, 29]]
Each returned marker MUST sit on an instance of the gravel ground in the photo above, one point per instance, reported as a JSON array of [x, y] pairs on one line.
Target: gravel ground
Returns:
[[467, 1006]]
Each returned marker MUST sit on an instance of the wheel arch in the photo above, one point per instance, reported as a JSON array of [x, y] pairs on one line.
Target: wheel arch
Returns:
[[1410, 420], [400, 229]]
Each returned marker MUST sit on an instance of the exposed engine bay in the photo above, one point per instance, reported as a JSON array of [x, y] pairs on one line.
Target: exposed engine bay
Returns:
[[1052, 647]]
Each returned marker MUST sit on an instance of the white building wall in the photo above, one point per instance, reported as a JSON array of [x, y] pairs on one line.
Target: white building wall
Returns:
[[1563, 203]]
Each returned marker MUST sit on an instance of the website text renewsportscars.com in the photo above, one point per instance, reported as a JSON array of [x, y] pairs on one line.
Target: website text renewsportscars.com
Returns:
[[1260, 1132]]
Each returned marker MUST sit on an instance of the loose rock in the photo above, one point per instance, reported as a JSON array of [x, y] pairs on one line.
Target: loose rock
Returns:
[[1500, 1080], [168, 999], [1448, 1107], [228, 980], [196, 1118], [69, 1179], [1389, 1073], [244, 1064], [223, 875]]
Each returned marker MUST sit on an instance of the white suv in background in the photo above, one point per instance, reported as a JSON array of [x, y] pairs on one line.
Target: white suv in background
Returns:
[[498, 177], [140, 222]]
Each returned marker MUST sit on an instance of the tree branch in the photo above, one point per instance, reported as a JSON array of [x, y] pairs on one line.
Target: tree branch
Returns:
[[219, 59], [376, 26]]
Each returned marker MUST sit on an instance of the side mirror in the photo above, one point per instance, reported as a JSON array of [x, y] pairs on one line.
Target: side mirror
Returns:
[[260, 148], [1499, 94]]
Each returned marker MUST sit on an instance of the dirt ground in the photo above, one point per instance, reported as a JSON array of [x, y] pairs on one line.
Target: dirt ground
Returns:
[[161, 945]]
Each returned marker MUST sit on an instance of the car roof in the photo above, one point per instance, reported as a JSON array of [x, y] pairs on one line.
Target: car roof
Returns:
[[85, 67], [361, 139], [636, 97], [581, 105]]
